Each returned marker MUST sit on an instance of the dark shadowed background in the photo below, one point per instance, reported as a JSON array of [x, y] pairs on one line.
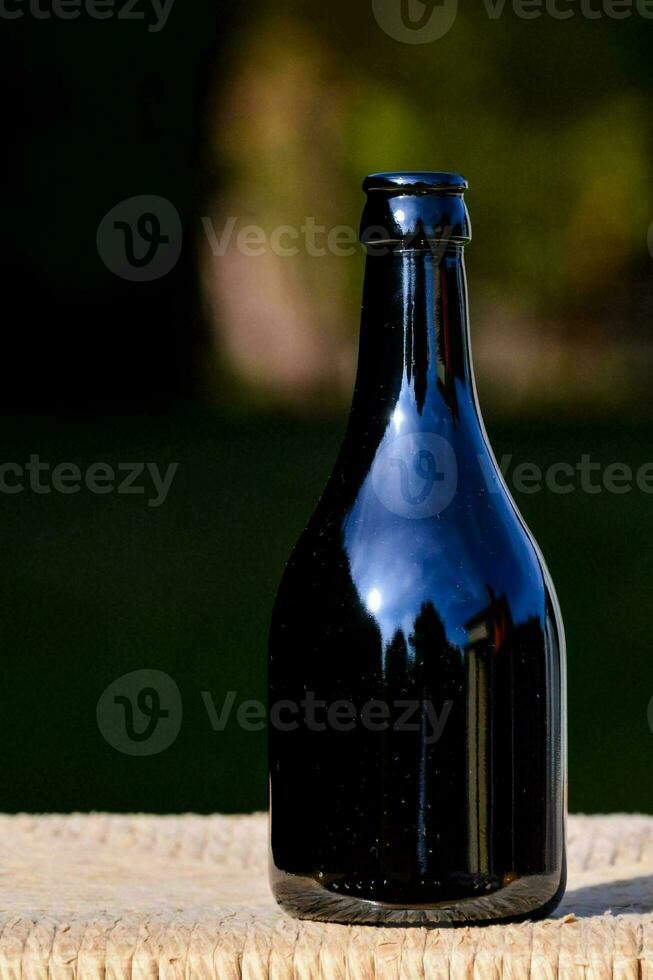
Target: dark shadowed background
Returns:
[[226, 345]]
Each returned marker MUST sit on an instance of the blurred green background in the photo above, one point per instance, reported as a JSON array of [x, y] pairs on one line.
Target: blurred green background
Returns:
[[239, 367]]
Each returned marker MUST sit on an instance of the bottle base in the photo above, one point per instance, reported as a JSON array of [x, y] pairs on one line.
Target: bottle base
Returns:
[[522, 898]]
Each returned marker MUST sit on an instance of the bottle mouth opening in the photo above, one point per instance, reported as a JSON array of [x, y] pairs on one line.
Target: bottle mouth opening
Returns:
[[416, 182], [413, 209]]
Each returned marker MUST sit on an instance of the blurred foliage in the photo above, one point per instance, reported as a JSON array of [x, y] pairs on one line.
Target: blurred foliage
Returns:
[[549, 120]]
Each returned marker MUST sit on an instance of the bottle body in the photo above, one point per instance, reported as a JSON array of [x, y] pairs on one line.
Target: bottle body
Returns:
[[416, 659]]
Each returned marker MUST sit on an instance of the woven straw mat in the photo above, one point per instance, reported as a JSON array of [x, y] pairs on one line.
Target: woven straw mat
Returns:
[[106, 897]]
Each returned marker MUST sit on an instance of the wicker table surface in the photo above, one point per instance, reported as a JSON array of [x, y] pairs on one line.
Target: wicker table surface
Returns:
[[140, 896]]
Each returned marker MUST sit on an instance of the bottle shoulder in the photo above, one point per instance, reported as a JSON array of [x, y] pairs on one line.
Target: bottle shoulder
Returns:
[[475, 552]]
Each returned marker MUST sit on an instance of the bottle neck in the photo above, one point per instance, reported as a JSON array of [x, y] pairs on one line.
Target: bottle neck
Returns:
[[414, 360]]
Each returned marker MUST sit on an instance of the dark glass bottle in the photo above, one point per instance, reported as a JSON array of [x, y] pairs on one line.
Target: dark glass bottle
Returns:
[[416, 672]]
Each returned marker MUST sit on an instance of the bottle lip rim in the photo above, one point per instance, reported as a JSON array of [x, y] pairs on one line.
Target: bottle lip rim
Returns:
[[416, 182]]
